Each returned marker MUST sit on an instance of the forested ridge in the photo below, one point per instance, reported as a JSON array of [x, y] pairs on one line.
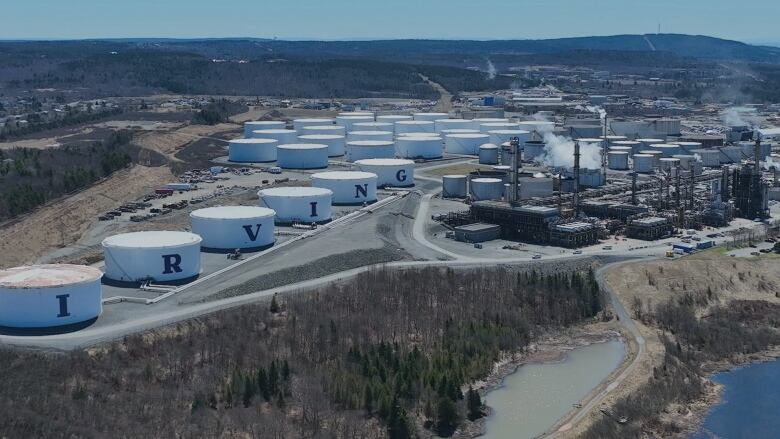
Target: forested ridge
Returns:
[[389, 354]]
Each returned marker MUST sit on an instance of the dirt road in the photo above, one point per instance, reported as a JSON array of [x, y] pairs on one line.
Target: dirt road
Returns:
[[445, 101]]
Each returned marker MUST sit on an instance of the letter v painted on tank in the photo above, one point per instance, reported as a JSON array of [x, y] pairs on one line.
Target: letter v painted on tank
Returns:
[[172, 263], [400, 175], [361, 189], [252, 233]]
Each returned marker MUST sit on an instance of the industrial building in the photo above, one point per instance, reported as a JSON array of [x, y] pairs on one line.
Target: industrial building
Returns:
[[478, 232], [649, 228]]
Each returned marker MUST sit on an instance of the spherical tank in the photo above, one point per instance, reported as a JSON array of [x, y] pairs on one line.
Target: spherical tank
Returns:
[[412, 147], [465, 143], [617, 160], [643, 163], [389, 172], [348, 187], [48, 296], [454, 186], [370, 149], [336, 144], [302, 156], [497, 137], [298, 204], [234, 227], [282, 136], [335, 130], [355, 136], [300, 124], [486, 188], [429, 117], [488, 154], [159, 256], [252, 150], [250, 127], [414, 126]]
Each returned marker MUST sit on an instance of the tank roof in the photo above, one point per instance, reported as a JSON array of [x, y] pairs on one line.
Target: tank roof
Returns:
[[468, 136], [275, 131], [233, 212], [321, 136], [486, 180], [343, 175], [254, 141], [295, 191], [302, 146], [152, 239], [47, 276], [384, 162], [370, 142]]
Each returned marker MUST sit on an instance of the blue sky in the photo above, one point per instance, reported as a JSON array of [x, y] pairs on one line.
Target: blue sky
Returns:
[[747, 20]]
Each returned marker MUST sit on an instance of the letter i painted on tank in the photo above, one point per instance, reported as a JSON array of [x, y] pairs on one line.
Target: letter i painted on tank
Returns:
[[252, 234], [63, 298], [400, 175], [313, 205], [361, 189], [172, 263]]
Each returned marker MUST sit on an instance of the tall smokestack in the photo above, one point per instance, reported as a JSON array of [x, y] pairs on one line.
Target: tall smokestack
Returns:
[[757, 154], [576, 179], [514, 143]]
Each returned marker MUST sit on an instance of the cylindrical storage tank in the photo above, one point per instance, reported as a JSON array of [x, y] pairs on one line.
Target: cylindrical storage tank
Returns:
[[299, 124], [633, 146], [252, 150], [497, 126], [281, 136], [687, 147], [414, 126], [707, 157], [475, 123], [389, 172], [486, 188], [445, 133], [429, 117], [451, 124], [646, 142], [667, 163], [667, 149], [499, 171], [355, 136], [234, 227], [654, 153], [334, 130], [488, 154], [497, 137], [157, 256], [454, 186], [393, 118], [748, 149], [336, 144], [250, 127], [685, 160], [465, 143], [430, 134], [643, 163], [348, 187], [532, 150], [370, 149], [374, 126], [348, 121], [49, 296], [302, 156], [412, 147], [618, 160], [614, 138], [538, 128], [298, 204], [627, 149], [731, 154], [357, 113]]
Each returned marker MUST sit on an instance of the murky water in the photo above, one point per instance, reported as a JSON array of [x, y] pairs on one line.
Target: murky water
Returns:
[[537, 395]]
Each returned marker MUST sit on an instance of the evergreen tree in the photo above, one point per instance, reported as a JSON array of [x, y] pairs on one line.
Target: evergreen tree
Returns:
[[398, 424], [368, 399], [474, 404], [274, 305], [447, 418]]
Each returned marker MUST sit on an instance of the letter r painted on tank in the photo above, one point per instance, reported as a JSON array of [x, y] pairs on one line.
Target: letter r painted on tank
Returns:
[[361, 189], [172, 263], [252, 233], [313, 205], [400, 175], [63, 299]]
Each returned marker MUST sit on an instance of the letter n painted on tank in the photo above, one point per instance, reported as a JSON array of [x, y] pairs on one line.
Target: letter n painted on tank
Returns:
[[63, 298], [400, 175], [172, 263], [313, 205], [252, 233], [361, 189]]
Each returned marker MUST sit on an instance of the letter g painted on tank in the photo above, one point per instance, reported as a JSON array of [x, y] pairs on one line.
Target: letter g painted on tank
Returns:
[[172, 263], [400, 175], [63, 299], [361, 189], [252, 233], [313, 205]]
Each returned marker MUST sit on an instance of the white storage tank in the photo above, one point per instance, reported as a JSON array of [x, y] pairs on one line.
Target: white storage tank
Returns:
[[429, 117], [646, 142], [617, 160], [488, 154], [158, 256], [454, 186], [374, 126], [475, 123], [281, 136], [532, 150], [486, 188], [250, 127], [748, 149], [393, 118], [538, 128], [336, 144], [49, 296], [643, 163], [654, 153], [465, 143], [498, 126], [667, 149], [451, 124], [445, 133], [335, 130], [414, 126], [355, 136], [299, 124], [686, 161], [302, 156], [389, 172], [498, 137], [667, 163], [357, 113], [424, 147], [298, 204], [370, 149], [252, 150], [632, 145], [687, 147], [430, 134], [348, 187], [348, 121], [234, 227], [707, 157]]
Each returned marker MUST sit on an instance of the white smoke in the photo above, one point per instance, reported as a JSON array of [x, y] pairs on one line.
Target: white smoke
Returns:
[[734, 118], [770, 163], [491, 69], [559, 152]]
